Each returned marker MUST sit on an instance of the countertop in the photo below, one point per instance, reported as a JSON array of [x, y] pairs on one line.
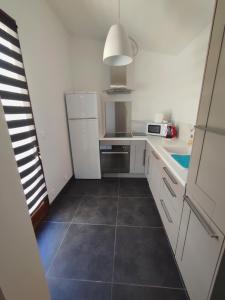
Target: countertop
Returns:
[[158, 144]]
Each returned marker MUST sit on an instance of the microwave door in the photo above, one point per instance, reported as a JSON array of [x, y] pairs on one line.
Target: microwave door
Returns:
[[154, 129]]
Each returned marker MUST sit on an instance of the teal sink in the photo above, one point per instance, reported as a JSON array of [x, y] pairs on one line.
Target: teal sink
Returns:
[[182, 159]]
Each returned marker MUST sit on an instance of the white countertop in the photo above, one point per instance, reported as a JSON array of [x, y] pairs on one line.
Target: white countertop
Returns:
[[158, 144]]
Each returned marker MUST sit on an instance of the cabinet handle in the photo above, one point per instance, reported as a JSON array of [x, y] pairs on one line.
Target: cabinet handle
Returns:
[[166, 211], [155, 155], [170, 175], [211, 129], [144, 155], [148, 166], [201, 218], [169, 187]]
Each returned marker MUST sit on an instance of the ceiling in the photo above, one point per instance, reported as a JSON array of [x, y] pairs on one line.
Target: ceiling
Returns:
[[165, 26]]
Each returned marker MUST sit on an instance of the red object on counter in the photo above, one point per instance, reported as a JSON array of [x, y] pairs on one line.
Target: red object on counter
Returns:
[[171, 131]]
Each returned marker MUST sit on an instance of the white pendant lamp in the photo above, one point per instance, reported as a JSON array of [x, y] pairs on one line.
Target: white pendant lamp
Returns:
[[117, 50]]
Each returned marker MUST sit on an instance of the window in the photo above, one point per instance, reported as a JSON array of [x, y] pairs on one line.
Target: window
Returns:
[[16, 103]]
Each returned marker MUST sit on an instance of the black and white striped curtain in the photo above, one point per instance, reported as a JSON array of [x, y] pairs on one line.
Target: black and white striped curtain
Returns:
[[16, 103]]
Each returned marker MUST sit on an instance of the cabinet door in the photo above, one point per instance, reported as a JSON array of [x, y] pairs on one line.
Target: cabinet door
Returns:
[[198, 251], [137, 157], [206, 180], [147, 161], [155, 174]]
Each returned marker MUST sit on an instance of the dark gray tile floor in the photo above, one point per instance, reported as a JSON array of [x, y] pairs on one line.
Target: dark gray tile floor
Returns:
[[103, 239]]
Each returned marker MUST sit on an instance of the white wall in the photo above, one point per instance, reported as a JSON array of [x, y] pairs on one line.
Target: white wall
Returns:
[[46, 53], [189, 75], [89, 72], [21, 273], [162, 83]]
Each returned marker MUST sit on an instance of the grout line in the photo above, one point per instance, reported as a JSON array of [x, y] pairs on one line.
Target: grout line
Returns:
[[95, 196], [63, 238], [56, 222], [136, 196], [149, 286], [114, 249], [118, 283], [94, 224], [137, 226], [79, 279], [103, 224]]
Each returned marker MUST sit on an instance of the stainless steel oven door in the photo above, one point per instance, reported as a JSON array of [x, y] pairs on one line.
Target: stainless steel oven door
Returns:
[[115, 159]]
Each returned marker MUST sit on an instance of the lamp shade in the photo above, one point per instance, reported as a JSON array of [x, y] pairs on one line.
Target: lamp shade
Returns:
[[117, 51]]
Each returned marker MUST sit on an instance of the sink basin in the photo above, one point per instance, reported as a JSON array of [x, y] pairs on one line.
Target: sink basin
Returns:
[[177, 149], [182, 159], [181, 154]]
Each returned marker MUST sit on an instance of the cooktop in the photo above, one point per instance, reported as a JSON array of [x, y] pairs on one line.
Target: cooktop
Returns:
[[119, 134]]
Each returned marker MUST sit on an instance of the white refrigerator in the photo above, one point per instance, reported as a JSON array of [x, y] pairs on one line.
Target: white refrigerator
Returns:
[[82, 113]]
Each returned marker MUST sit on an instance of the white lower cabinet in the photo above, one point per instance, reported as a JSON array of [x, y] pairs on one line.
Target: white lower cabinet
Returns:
[[167, 213], [137, 157], [198, 250], [170, 205], [154, 174], [147, 161]]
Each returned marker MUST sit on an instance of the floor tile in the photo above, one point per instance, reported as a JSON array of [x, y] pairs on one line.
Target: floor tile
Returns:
[[63, 208], [103, 187], [49, 237], [97, 210], [138, 211], [150, 261], [124, 292], [86, 253], [134, 187], [64, 289]]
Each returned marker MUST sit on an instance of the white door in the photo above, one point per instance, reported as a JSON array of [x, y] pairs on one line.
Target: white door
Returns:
[[83, 105], [206, 180], [85, 148], [198, 251]]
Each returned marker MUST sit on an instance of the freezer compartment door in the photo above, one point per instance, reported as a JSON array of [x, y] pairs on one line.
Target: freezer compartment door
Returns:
[[82, 106], [85, 148]]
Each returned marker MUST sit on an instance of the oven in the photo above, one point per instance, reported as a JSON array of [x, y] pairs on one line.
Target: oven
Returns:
[[115, 157]]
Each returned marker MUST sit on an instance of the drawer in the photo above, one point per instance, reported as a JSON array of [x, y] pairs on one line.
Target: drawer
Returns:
[[175, 193], [115, 142], [169, 216]]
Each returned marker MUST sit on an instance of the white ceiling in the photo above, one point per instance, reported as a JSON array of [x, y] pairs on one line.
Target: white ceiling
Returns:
[[165, 26]]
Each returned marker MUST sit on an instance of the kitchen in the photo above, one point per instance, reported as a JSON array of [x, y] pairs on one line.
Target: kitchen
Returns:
[[121, 177]]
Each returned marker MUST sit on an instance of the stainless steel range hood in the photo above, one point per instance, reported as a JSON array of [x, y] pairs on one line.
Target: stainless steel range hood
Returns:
[[118, 81]]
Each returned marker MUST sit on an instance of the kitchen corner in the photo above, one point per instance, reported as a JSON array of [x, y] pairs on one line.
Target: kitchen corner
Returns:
[[158, 144]]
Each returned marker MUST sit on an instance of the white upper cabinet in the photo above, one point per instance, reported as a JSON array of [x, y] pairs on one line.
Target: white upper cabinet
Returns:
[[206, 180]]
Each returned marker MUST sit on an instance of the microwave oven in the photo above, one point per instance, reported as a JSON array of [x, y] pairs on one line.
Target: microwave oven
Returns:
[[160, 129]]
